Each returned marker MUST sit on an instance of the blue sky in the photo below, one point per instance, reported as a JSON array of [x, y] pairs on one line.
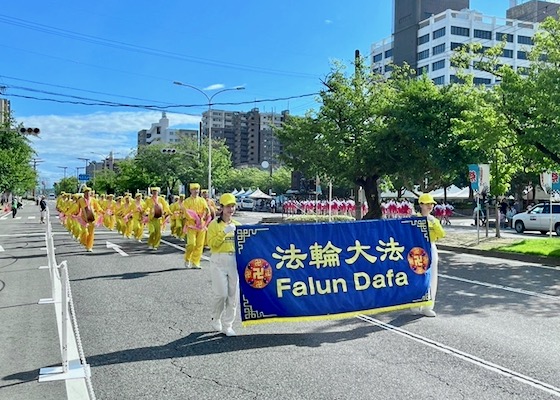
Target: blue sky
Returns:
[[130, 52]]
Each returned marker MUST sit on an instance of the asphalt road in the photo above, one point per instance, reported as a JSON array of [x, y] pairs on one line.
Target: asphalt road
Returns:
[[145, 329]]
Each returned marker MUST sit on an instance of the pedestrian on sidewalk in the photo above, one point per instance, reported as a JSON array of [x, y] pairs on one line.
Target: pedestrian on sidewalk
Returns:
[[14, 206], [43, 206], [223, 267], [436, 232]]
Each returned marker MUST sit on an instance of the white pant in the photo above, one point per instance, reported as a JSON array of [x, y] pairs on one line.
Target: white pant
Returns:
[[433, 275], [225, 287]]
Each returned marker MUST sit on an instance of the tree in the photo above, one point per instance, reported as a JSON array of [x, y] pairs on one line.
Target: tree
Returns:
[[16, 153], [105, 181], [67, 185]]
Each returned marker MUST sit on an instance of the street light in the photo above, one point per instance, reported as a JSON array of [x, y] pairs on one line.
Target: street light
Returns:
[[64, 168], [209, 99]]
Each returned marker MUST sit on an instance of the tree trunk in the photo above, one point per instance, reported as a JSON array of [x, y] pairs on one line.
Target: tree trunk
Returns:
[[371, 189]]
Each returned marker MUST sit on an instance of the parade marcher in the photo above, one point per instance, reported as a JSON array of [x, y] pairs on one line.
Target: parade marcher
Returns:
[[109, 206], [198, 218], [43, 208], [436, 232], [211, 204], [223, 267], [156, 208], [88, 208], [137, 210]]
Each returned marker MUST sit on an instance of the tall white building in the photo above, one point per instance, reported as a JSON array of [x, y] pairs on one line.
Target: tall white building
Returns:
[[438, 35], [160, 133]]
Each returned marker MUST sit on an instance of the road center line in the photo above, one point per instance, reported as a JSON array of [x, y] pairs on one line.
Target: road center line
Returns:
[[507, 288], [527, 380]]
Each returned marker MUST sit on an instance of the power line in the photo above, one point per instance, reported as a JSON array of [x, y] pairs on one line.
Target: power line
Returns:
[[141, 49]]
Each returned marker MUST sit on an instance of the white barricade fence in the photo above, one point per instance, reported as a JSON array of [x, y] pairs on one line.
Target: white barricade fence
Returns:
[[74, 365]]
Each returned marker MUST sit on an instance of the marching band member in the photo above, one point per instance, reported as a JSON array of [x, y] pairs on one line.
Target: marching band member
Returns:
[[198, 217]]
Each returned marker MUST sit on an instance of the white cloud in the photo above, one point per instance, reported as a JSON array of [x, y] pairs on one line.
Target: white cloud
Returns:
[[64, 139], [215, 86], [328, 21]]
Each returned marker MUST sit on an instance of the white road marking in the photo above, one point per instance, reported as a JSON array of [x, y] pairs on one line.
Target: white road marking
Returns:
[[31, 217], [117, 248], [507, 288], [527, 380], [1, 248], [516, 262], [182, 248]]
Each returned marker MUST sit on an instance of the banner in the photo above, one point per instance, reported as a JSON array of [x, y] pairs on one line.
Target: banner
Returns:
[[550, 182], [474, 176], [479, 177], [325, 271]]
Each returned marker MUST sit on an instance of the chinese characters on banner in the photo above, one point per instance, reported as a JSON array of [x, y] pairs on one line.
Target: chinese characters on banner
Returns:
[[323, 271]]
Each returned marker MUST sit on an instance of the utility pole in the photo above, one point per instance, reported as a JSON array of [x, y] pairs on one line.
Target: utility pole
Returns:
[[35, 161]]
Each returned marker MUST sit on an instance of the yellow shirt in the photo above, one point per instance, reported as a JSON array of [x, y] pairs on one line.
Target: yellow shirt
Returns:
[[435, 230], [218, 240]]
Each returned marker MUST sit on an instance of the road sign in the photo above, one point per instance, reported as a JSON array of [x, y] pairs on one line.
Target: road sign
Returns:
[[83, 177]]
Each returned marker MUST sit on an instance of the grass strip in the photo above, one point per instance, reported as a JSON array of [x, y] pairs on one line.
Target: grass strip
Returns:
[[538, 247]]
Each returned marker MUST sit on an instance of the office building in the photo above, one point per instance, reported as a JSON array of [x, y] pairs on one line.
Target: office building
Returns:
[[248, 135], [438, 35], [532, 10], [160, 133]]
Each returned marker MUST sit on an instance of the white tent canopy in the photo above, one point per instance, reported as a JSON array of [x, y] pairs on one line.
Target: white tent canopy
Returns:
[[258, 194], [453, 193]]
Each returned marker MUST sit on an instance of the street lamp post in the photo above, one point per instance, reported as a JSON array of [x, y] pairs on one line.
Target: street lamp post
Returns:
[[209, 99], [64, 168]]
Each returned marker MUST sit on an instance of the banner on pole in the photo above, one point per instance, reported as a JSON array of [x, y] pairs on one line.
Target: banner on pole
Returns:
[[479, 177], [550, 181], [324, 271]]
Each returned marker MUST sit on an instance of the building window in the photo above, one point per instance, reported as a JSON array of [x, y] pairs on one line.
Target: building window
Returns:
[[377, 57], [508, 36], [388, 68], [521, 55], [460, 31], [424, 39], [438, 33], [455, 45], [456, 79], [524, 40], [422, 70], [482, 81], [389, 53], [438, 65], [481, 34], [440, 48], [523, 70], [507, 53], [440, 80], [423, 54]]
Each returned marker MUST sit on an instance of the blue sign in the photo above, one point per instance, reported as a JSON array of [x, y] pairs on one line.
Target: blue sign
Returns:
[[337, 270], [83, 177]]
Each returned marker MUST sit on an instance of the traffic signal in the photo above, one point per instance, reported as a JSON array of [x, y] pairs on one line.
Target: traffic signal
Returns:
[[169, 151], [29, 131]]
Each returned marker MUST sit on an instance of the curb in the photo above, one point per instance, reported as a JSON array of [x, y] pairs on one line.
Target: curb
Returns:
[[550, 261]]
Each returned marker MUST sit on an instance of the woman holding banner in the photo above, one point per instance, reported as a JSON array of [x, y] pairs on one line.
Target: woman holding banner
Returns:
[[223, 267], [436, 232]]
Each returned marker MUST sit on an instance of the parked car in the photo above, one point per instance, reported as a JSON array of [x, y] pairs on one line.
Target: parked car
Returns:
[[538, 219], [52, 196], [245, 203]]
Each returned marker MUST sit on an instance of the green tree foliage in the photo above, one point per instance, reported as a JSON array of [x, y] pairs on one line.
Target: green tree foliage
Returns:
[[67, 185], [105, 181], [16, 154]]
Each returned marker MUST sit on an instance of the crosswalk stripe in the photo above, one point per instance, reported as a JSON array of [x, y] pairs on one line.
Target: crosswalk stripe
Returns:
[[33, 217]]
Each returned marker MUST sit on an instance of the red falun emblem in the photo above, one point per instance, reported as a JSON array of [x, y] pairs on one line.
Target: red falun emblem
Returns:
[[258, 273], [418, 260]]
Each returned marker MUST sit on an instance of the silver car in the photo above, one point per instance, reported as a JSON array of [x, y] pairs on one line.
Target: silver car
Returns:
[[538, 219]]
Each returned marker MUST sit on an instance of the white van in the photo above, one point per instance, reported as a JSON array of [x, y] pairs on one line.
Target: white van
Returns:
[[538, 219]]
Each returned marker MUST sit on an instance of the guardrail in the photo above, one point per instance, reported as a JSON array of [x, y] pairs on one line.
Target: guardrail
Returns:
[[74, 368]]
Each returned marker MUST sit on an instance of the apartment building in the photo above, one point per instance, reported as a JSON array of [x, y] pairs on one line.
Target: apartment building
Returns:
[[248, 135], [159, 132], [438, 35], [4, 110]]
